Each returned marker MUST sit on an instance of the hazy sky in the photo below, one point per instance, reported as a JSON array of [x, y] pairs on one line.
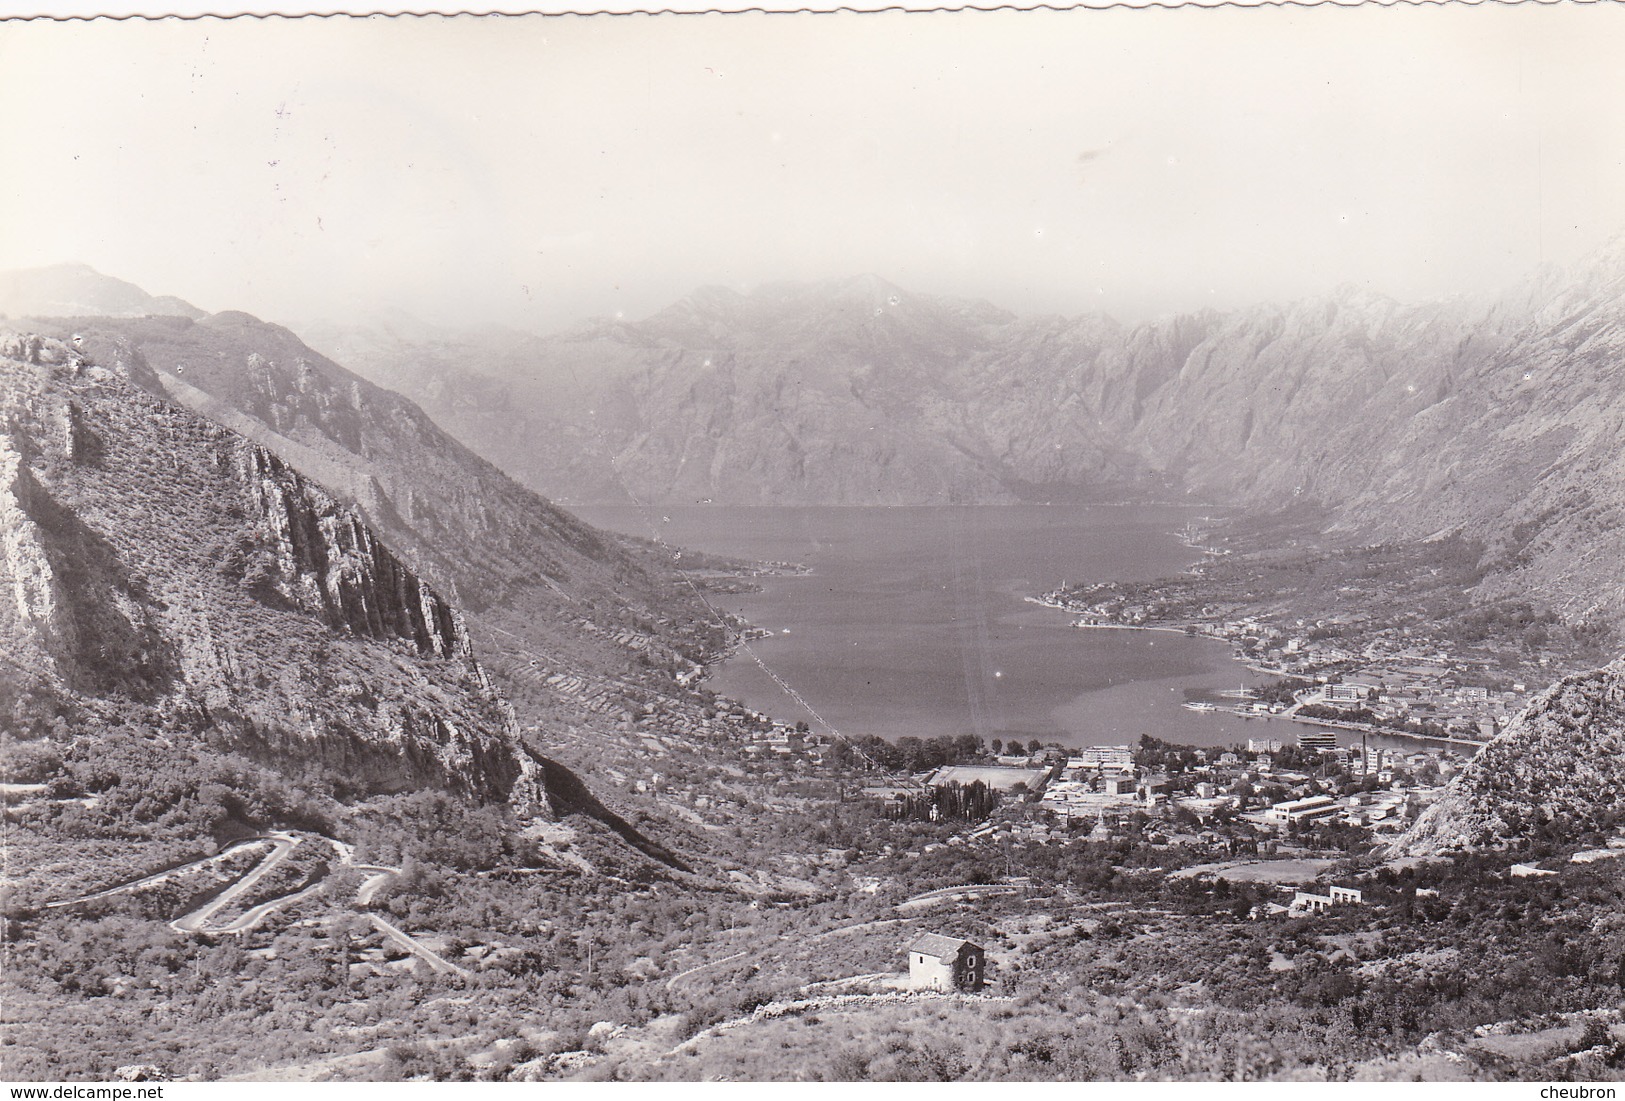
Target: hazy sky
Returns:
[[536, 171]]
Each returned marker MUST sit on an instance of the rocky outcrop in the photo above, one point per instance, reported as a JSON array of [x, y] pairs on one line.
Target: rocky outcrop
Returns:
[[1556, 771], [30, 615], [190, 580], [533, 581], [320, 556]]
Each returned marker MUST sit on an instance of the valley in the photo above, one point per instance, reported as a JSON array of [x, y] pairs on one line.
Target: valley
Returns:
[[1070, 546], [1487, 418], [269, 781]]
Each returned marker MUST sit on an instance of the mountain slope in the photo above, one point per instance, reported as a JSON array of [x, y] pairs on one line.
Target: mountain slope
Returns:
[[847, 392], [1560, 765], [579, 628], [1501, 422], [167, 568], [1496, 419], [542, 589], [75, 290]]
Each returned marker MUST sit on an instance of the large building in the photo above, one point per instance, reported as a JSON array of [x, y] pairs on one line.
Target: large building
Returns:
[[1303, 810], [944, 963], [1120, 783], [1119, 758], [1343, 693], [1318, 739]]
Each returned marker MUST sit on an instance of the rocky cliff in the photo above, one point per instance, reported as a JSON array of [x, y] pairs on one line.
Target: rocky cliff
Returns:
[[320, 557], [1558, 771], [167, 571], [345, 469], [538, 586]]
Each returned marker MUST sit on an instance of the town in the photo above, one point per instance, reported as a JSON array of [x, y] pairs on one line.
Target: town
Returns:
[[1268, 799], [1274, 796], [1376, 638]]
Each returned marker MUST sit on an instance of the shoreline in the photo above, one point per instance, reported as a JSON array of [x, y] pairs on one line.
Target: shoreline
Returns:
[[1380, 732], [1195, 631], [1136, 627], [745, 635]]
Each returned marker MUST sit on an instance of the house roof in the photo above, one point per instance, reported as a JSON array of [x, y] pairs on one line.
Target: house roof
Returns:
[[935, 944]]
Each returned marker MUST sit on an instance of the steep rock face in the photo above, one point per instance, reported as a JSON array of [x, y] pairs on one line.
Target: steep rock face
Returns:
[[31, 615], [538, 591], [322, 558], [1562, 763], [164, 567]]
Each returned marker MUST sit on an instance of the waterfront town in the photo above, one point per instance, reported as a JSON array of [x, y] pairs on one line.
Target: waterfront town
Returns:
[[1272, 795], [1359, 640], [1294, 789]]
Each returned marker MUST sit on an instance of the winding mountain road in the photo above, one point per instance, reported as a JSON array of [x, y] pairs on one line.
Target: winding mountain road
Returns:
[[283, 843], [160, 877], [198, 920]]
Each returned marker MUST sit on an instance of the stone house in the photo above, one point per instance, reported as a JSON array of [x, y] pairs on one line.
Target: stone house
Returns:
[[937, 962]]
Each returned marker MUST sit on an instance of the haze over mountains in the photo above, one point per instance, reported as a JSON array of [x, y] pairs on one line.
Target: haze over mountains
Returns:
[[1497, 418], [261, 601]]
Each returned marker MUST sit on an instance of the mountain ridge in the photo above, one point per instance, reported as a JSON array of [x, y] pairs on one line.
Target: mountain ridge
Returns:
[[220, 593], [1494, 417]]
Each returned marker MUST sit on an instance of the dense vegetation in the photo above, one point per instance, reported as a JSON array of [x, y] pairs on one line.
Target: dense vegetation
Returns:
[[1123, 958]]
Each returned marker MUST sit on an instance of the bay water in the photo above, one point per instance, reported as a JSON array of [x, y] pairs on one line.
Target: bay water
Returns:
[[916, 621]]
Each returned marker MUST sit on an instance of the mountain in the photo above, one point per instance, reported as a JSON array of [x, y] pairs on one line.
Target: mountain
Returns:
[[172, 571], [542, 591], [1496, 419], [791, 395], [1558, 770], [579, 629], [77, 290], [1499, 421]]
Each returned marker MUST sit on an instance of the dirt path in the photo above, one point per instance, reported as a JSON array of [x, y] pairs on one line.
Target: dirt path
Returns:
[[253, 917], [843, 930], [411, 944], [382, 873], [956, 894], [364, 894], [671, 983], [22, 789]]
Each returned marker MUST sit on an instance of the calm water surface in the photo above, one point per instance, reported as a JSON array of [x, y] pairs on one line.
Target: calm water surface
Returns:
[[914, 621]]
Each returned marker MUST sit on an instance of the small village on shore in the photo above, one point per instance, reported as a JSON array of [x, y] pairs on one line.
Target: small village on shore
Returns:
[[1347, 652]]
